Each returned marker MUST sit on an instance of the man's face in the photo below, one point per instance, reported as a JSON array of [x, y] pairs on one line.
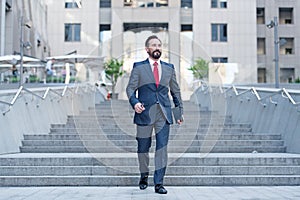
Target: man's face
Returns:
[[154, 49]]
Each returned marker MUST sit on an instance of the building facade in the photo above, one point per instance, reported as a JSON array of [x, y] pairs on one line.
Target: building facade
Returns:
[[31, 17], [288, 43], [231, 32], [23, 31]]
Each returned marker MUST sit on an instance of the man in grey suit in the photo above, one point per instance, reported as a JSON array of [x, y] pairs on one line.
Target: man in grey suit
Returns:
[[148, 93]]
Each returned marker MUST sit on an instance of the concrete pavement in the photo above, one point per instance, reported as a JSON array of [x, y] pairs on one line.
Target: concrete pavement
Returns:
[[174, 193]]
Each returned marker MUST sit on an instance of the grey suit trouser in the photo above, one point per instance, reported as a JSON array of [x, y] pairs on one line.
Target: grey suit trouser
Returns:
[[144, 135]]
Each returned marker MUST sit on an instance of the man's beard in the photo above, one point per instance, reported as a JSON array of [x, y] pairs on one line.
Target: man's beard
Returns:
[[156, 54]]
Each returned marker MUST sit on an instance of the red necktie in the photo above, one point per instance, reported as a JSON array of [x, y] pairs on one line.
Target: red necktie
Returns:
[[155, 73]]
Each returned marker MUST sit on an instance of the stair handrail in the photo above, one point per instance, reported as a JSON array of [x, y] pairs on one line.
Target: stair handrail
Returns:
[[14, 99], [45, 95], [285, 93], [34, 94]]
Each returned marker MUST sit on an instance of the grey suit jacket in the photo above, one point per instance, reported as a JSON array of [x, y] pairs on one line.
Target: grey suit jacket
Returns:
[[142, 88]]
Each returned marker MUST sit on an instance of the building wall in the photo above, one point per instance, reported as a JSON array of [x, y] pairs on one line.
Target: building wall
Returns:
[[34, 11], [87, 16], [240, 49], [284, 30]]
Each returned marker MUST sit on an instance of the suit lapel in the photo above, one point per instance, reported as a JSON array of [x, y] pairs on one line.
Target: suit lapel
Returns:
[[148, 71], [163, 70]]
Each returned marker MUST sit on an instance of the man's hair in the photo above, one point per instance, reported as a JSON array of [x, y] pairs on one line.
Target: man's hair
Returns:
[[150, 38]]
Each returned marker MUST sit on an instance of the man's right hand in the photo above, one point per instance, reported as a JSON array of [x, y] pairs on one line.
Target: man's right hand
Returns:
[[139, 108]]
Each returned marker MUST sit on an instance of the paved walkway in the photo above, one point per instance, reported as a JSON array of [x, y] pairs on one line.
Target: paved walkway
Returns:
[[174, 193]]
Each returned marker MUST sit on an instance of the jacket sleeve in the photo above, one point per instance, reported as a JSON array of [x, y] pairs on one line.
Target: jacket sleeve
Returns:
[[133, 86], [175, 91]]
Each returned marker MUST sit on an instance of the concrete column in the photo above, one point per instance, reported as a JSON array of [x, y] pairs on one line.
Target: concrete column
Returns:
[[117, 29], [2, 28], [174, 35]]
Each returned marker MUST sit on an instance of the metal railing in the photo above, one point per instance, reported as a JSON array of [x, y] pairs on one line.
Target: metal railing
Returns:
[[285, 93], [21, 90]]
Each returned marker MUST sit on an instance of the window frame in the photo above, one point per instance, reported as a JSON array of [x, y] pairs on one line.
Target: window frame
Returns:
[[218, 4], [102, 29], [73, 34], [105, 3], [145, 4], [186, 4], [260, 15], [261, 46], [73, 4], [284, 12], [219, 59], [219, 32]]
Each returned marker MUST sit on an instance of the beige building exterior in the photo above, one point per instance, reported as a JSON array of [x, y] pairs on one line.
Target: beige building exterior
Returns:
[[231, 33], [288, 39], [23, 28], [29, 15]]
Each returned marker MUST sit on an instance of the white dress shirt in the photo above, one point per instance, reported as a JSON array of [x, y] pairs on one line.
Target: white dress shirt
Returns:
[[158, 66]]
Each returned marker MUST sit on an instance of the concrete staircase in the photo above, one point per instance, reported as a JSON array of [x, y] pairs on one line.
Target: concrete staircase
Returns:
[[97, 148]]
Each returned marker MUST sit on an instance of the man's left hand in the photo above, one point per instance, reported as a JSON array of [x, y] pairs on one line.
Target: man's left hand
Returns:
[[180, 121]]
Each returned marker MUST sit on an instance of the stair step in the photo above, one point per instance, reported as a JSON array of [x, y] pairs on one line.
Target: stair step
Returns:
[[132, 149], [128, 137], [117, 125], [219, 180], [133, 170], [133, 130], [121, 143], [130, 159], [98, 148]]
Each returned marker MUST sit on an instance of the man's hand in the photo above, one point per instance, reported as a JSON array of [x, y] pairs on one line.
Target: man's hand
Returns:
[[139, 108], [180, 121]]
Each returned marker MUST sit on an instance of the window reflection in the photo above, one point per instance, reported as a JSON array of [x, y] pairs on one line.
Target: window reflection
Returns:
[[72, 32], [105, 40], [186, 3], [145, 3], [219, 32], [72, 3], [219, 3], [105, 3]]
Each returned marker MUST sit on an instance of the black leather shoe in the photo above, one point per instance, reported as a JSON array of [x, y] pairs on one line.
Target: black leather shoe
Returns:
[[160, 189], [143, 182]]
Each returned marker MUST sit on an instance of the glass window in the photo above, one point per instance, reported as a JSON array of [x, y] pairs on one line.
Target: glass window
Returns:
[[161, 3], [72, 32], [150, 4], [285, 15], [260, 15], [287, 75], [105, 40], [219, 3], [261, 46], [73, 4], [145, 3], [105, 32], [214, 3], [220, 59], [214, 32], [219, 32], [186, 3], [223, 32], [286, 46], [261, 75], [187, 27], [105, 3], [223, 3], [138, 27]]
